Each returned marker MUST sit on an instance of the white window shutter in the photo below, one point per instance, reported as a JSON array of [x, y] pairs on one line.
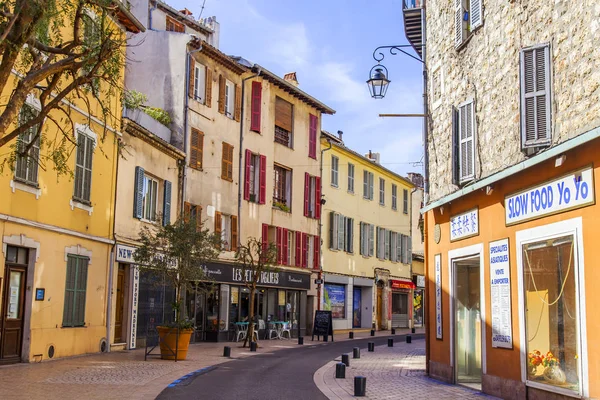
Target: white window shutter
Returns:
[[459, 25], [476, 14], [535, 97], [340, 231], [362, 240], [371, 239], [466, 123]]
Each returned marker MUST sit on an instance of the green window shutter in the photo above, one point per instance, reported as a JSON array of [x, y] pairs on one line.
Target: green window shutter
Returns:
[[399, 247], [332, 231], [350, 235], [80, 292], [166, 220], [79, 167], [371, 239], [388, 241], [362, 239], [69, 291], [138, 193], [87, 168], [75, 291]]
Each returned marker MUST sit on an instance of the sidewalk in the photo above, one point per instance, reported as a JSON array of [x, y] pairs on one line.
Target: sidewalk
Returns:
[[392, 373], [125, 374]]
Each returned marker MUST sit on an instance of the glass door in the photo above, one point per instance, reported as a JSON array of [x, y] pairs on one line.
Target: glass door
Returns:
[[13, 310], [356, 306], [467, 320]]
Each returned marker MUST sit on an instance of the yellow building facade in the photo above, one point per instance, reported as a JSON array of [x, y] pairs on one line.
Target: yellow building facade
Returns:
[[366, 245], [57, 237]]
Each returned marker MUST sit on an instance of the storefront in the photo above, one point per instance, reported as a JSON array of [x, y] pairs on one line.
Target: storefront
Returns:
[[419, 301], [402, 296], [510, 304], [350, 300]]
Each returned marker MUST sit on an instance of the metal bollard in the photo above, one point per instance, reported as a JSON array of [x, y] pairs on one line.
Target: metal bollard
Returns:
[[371, 346], [356, 352], [300, 340], [408, 339], [390, 342], [393, 331], [340, 370], [372, 332], [350, 335], [360, 386], [226, 351], [325, 338], [252, 346], [412, 330], [346, 359]]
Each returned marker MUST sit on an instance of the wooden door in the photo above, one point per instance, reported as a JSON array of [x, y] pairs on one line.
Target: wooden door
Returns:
[[379, 306], [13, 310], [120, 304]]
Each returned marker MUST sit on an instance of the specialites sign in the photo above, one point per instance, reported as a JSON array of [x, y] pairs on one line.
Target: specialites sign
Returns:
[[500, 294], [566, 193], [276, 278]]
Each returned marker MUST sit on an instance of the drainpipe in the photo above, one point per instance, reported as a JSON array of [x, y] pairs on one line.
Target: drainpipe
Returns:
[[111, 263], [150, 17], [426, 113], [257, 70], [321, 224]]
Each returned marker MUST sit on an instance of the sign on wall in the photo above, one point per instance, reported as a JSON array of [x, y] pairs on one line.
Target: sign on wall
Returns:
[[464, 225], [566, 193], [500, 294], [438, 295], [135, 275]]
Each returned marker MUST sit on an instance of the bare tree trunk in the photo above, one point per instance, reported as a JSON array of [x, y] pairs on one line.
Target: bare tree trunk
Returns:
[[251, 316]]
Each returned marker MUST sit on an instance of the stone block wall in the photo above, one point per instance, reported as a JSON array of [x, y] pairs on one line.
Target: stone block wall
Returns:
[[486, 69]]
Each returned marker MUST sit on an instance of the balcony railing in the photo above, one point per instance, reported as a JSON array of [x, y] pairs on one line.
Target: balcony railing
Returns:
[[413, 3], [413, 23]]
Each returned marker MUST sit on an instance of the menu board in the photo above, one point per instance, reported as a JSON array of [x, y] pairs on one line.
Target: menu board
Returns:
[[322, 325], [500, 294]]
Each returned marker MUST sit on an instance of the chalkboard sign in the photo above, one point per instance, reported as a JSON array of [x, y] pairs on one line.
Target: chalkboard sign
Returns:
[[323, 325]]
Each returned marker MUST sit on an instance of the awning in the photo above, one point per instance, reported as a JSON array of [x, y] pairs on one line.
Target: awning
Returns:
[[395, 284]]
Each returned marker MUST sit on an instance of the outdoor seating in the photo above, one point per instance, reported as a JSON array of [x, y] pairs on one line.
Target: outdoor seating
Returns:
[[272, 330], [241, 331], [285, 328]]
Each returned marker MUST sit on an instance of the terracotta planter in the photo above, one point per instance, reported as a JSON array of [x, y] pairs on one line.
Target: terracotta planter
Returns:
[[169, 341]]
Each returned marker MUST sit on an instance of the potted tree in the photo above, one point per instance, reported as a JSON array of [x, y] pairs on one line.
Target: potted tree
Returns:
[[177, 253]]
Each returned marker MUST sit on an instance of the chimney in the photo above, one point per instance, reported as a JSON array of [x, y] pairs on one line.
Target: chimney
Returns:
[[375, 157], [340, 133], [186, 12], [291, 78]]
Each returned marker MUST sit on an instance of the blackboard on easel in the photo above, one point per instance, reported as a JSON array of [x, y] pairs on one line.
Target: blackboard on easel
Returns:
[[323, 325]]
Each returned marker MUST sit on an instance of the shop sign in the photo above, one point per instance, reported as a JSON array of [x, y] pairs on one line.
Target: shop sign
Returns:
[[438, 296], [567, 193], [134, 306], [420, 280], [500, 294], [125, 253], [395, 284], [464, 225], [276, 278]]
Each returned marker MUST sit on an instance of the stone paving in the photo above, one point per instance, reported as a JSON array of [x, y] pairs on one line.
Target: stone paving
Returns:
[[392, 373]]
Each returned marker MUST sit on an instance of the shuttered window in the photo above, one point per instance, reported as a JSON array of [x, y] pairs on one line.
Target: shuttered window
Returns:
[[196, 148], [75, 291], [382, 191], [468, 16], [367, 232], [394, 197], [166, 217], [463, 143], [460, 29], [192, 212], [405, 201], [226, 229], [535, 97], [83, 168], [475, 14], [283, 122], [368, 179], [174, 26], [199, 83], [255, 176], [26, 168], [256, 106], [335, 163], [138, 195], [312, 136], [351, 178], [341, 232], [227, 162]]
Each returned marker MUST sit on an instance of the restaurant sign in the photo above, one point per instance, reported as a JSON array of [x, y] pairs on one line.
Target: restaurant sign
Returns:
[[395, 284], [275, 277], [464, 225], [571, 191]]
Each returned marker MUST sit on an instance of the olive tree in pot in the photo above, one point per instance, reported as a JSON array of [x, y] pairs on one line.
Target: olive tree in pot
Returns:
[[177, 253]]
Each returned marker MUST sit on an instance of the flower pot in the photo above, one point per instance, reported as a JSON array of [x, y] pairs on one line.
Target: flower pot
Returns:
[[554, 375], [169, 342]]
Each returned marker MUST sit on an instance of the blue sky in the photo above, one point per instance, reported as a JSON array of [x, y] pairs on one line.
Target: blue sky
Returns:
[[329, 44]]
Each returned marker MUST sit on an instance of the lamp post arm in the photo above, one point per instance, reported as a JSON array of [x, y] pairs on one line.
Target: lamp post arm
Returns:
[[378, 55]]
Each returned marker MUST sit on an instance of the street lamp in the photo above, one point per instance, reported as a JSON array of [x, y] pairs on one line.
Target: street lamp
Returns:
[[378, 82]]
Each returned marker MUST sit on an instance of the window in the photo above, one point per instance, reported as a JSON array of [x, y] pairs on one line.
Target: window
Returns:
[[334, 300], [282, 188], [468, 16], [75, 291], [394, 197], [90, 28], [283, 122], [463, 146], [150, 198], [405, 201], [334, 171], [229, 98], [382, 233], [310, 252], [226, 229], [341, 232], [192, 212], [174, 26], [291, 245], [255, 179], [312, 136], [26, 168], [367, 239], [83, 167], [196, 148], [394, 246], [256, 106], [535, 97], [382, 191], [368, 180], [146, 197], [227, 162], [351, 178], [200, 83], [312, 196]]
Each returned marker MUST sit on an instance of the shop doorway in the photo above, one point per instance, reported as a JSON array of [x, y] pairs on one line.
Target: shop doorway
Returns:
[[356, 307], [13, 305], [468, 329], [379, 306], [120, 300]]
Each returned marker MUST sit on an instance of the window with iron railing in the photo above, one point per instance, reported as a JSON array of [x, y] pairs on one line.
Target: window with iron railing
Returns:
[[282, 136], [282, 182]]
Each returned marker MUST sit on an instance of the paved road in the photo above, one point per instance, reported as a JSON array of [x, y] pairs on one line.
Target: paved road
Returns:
[[285, 374]]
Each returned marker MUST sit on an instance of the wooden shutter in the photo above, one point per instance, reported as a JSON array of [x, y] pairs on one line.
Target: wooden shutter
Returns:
[[80, 291], [218, 218], [350, 235], [227, 162], [365, 184], [208, 87], [69, 291], [408, 250], [312, 137], [371, 239], [265, 238], [536, 119], [191, 76], [283, 114], [304, 250], [341, 231], [317, 250], [361, 238], [467, 141], [247, 175], [221, 94], [306, 193], [279, 244], [285, 247], [262, 180], [388, 244], [234, 233], [187, 211], [476, 14], [138, 193], [238, 103], [455, 148], [399, 247], [459, 25], [298, 249], [196, 148], [333, 230], [198, 218], [317, 197], [166, 220], [256, 106]]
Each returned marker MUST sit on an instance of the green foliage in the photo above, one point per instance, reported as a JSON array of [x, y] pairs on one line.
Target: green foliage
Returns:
[[158, 114], [281, 206], [133, 99]]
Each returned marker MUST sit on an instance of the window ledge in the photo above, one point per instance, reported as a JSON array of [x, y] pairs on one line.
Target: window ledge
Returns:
[[25, 187], [82, 206], [73, 327]]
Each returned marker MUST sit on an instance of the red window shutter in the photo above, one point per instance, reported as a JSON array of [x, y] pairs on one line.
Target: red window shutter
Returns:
[[306, 192], [279, 243], [317, 248], [304, 248], [317, 197], [284, 259], [265, 238], [256, 105], [298, 249], [263, 180], [247, 175], [312, 137]]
